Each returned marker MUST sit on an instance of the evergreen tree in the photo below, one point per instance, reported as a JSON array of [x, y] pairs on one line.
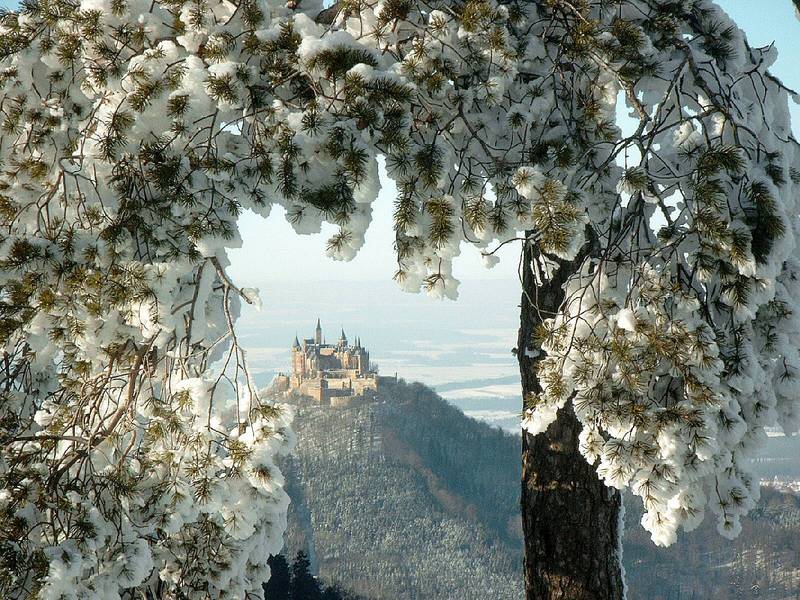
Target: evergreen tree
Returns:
[[304, 585], [335, 592], [660, 320], [278, 586]]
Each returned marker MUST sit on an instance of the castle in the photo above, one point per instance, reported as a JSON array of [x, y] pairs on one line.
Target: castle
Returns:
[[330, 374]]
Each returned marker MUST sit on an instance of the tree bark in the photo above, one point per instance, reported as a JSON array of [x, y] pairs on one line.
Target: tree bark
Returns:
[[570, 519]]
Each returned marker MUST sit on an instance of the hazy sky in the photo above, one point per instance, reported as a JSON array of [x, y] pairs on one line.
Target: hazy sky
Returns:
[[272, 252]]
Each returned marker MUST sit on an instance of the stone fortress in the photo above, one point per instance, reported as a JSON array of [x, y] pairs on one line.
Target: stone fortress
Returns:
[[331, 374]]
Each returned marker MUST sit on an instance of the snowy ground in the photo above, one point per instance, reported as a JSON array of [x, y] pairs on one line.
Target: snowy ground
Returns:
[[787, 486], [498, 404]]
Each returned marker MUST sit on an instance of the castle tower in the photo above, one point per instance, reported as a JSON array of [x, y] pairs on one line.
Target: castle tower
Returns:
[[298, 362], [343, 339], [318, 333]]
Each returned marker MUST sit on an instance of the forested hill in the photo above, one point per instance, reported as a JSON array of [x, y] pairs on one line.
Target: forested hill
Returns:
[[407, 498]]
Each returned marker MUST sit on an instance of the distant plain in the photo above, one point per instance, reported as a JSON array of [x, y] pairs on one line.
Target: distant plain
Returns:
[[462, 349]]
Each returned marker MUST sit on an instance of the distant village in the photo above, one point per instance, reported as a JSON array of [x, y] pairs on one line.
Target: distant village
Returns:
[[330, 374]]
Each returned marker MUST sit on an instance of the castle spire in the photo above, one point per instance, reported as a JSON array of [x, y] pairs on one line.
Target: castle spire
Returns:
[[318, 333], [296, 343]]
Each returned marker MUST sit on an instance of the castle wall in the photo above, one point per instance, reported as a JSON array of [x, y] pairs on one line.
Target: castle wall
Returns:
[[338, 383], [341, 401], [281, 382], [363, 385], [315, 389]]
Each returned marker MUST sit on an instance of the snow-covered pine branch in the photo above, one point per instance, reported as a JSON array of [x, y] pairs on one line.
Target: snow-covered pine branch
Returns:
[[136, 453]]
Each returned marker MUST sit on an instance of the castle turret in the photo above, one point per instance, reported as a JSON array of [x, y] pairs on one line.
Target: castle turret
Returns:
[[298, 362], [318, 333]]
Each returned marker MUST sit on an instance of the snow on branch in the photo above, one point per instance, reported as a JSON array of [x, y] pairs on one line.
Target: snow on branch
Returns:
[[136, 452]]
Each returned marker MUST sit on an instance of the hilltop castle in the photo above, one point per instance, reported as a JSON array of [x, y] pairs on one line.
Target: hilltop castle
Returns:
[[330, 374]]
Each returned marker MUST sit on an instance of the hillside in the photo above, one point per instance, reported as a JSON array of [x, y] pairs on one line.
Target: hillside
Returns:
[[763, 562], [407, 498]]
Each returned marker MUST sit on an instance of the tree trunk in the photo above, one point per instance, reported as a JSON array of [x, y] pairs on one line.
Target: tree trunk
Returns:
[[570, 519]]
